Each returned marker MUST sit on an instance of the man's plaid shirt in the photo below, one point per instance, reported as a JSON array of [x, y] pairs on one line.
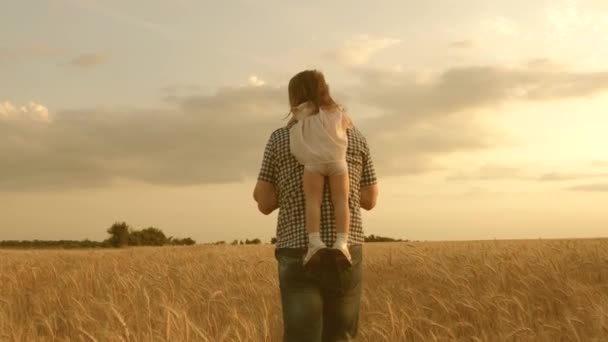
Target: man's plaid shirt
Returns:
[[280, 168]]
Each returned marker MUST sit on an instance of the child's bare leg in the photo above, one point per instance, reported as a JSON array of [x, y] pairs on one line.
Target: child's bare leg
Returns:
[[339, 195], [313, 192]]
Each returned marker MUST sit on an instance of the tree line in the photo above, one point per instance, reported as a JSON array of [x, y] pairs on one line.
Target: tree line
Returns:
[[378, 238], [273, 240], [121, 235]]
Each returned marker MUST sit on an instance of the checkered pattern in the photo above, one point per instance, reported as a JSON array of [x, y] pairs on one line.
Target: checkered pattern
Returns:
[[280, 168]]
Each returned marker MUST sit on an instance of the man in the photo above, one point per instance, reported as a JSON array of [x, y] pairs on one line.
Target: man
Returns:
[[321, 303]]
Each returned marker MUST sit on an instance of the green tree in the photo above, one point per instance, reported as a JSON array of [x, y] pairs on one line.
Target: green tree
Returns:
[[188, 242], [153, 237], [136, 238], [119, 234]]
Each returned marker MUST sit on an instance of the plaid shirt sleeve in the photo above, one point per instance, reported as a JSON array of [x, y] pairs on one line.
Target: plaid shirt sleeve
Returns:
[[268, 168], [368, 176]]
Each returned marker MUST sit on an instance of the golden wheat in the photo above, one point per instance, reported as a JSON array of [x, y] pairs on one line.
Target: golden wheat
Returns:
[[534, 290]]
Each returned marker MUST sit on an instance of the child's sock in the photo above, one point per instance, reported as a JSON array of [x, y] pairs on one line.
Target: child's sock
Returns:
[[314, 239], [341, 240]]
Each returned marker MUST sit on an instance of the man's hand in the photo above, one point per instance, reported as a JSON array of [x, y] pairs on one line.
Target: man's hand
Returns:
[[369, 196], [266, 196]]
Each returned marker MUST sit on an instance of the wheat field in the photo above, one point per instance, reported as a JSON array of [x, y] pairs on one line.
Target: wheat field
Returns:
[[533, 290]]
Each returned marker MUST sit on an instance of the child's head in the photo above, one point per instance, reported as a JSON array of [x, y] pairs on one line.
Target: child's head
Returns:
[[310, 86]]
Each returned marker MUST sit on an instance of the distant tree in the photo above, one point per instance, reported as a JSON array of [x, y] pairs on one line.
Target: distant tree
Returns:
[[153, 237], [241, 242], [273, 240], [119, 234], [136, 238], [235, 242], [374, 238], [188, 242]]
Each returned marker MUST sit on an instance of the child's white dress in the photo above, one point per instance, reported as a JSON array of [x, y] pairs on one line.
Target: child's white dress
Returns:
[[319, 141]]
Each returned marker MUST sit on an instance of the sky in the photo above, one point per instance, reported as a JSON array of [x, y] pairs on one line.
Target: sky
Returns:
[[485, 119]]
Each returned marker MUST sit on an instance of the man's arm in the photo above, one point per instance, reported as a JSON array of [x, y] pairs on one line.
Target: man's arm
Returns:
[[265, 193], [369, 196], [369, 182], [266, 197]]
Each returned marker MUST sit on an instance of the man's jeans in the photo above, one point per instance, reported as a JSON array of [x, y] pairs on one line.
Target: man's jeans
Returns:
[[322, 304]]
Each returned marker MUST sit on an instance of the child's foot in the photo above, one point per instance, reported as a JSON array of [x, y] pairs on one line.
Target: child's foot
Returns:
[[315, 244], [313, 257], [343, 258]]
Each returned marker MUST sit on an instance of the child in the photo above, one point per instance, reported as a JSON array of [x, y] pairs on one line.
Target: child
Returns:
[[318, 140]]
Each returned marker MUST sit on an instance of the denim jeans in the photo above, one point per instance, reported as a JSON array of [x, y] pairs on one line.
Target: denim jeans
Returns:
[[321, 304]]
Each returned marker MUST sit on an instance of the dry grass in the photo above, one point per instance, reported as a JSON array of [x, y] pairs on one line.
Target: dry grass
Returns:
[[469, 291]]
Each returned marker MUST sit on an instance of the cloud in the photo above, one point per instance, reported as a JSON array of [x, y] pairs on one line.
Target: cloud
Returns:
[[255, 81], [555, 176], [88, 60], [219, 137], [102, 8], [544, 64], [564, 18], [181, 88], [506, 172], [423, 121], [466, 88], [359, 50], [463, 44], [29, 51], [488, 172], [597, 187], [600, 163], [202, 139], [32, 111], [502, 26]]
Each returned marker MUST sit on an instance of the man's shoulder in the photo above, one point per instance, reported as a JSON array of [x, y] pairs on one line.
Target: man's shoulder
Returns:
[[357, 138], [356, 133], [280, 131], [280, 134]]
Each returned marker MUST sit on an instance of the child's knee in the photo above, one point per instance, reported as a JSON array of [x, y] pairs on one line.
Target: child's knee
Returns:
[[339, 200]]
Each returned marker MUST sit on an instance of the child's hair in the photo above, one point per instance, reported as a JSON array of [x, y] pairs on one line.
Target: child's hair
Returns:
[[310, 86]]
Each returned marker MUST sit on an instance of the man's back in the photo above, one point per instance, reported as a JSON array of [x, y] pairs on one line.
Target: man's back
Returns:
[[280, 168]]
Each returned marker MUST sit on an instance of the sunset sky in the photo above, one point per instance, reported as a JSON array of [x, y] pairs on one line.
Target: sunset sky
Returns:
[[485, 119]]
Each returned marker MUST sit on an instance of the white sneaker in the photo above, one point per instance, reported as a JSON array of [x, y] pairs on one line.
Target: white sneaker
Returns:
[[343, 257], [312, 255]]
